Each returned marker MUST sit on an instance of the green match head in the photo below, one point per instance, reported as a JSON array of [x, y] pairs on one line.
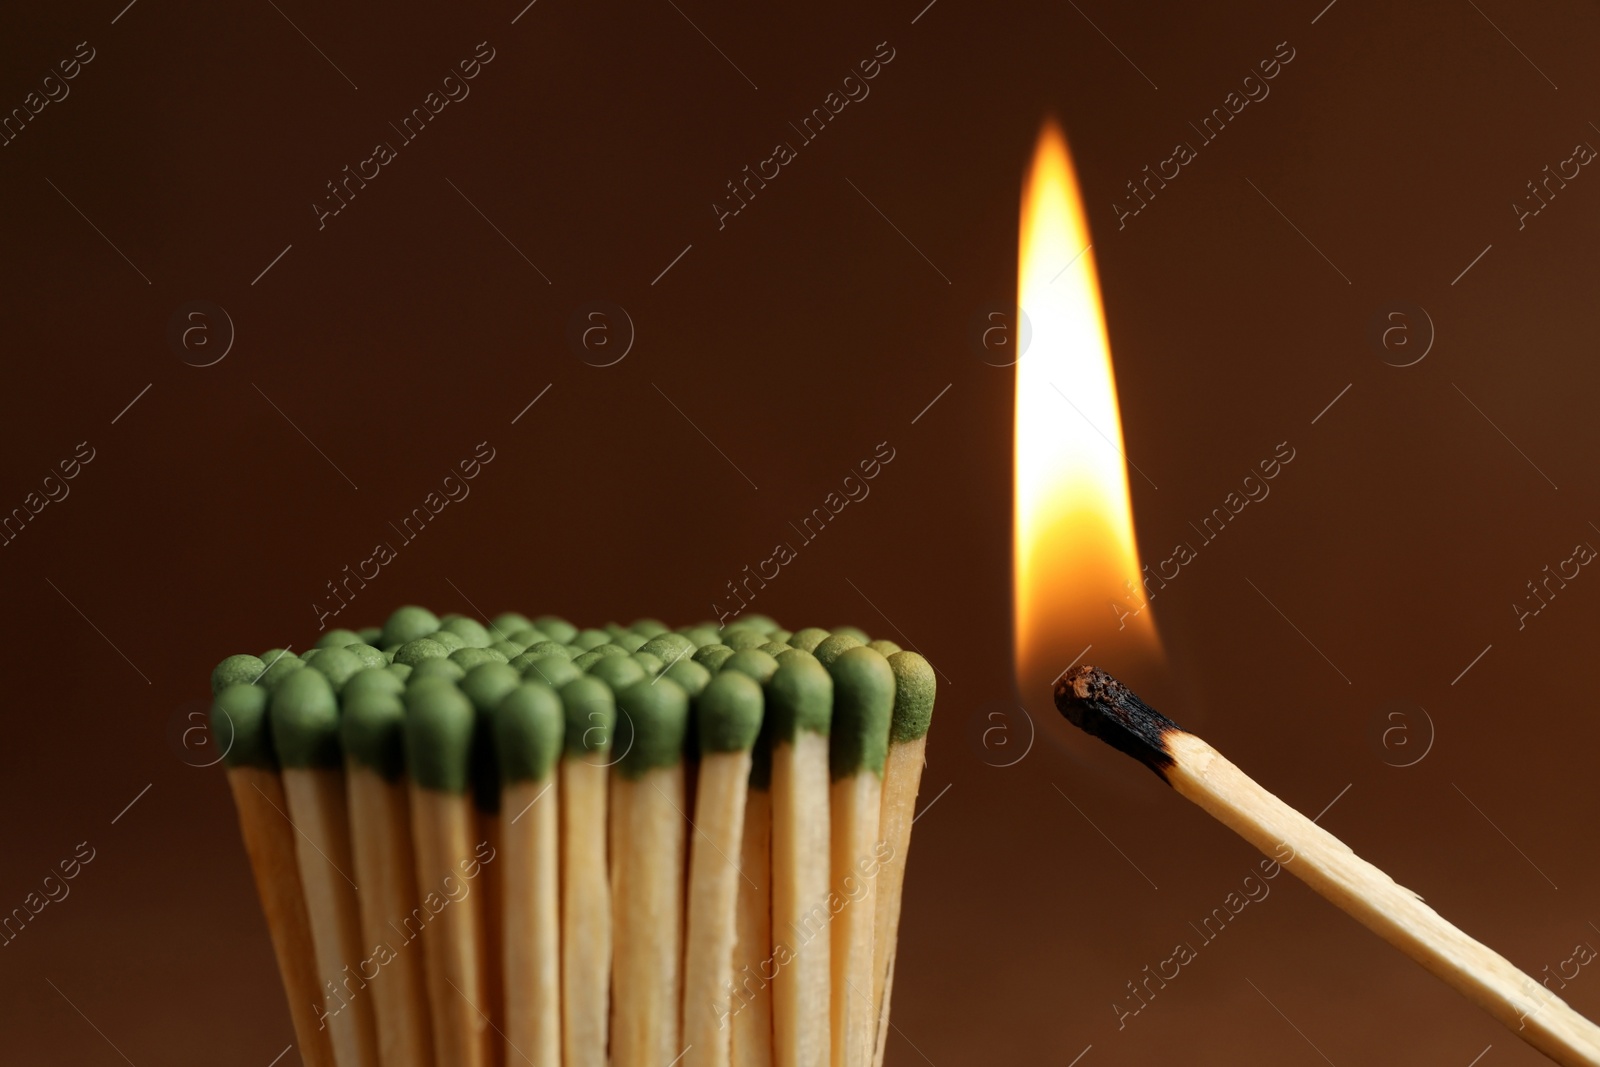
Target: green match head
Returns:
[[829, 650], [799, 697], [914, 685], [863, 706], [280, 663], [780, 635], [773, 648], [584, 660], [743, 636], [652, 664], [399, 670], [651, 722], [883, 648], [236, 670], [338, 665], [370, 656], [309, 654], [853, 631], [712, 657], [690, 676], [379, 680], [728, 713], [371, 635], [416, 650], [488, 683], [556, 628], [338, 639], [449, 640], [470, 657], [439, 725], [509, 622], [240, 726], [470, 631], [752, 661], [649, 628], [549, 648], [372, 729], [509, 648], [305, 721], [587, 639], [408, 624], [629, 641], [809, 638], [764, 623], [529, 725], [668, 647], [524, 636], [590, 710], [554, 671], [439, 667], [619, 672], [702, 635]]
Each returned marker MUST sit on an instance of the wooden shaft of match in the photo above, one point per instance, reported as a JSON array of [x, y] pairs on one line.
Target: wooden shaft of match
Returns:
[[1372, 898], [585, 913], [385, 868], [317, 806], [489, 900], [269, 841], [902, 776], [530, 855], [753, 958], [712, 907], [647, 902], [854, 807], [442, 828], [800, 1022]]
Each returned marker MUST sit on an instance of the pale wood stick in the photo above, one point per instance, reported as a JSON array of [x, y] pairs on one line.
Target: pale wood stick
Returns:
[[386, 870], [585, 911], [902, 776], [442, 828], [800, 867], [1103, 707], [647, 924], [854, 806], [713, 907], [753, 958], [317, 807], [1396, 914], [269, 841], [491, 936], [530, 857]]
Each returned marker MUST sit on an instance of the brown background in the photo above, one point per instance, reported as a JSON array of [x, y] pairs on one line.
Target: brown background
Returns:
[[797, 338]]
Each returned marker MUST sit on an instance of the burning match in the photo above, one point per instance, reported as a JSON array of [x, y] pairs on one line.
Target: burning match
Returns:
[[1103, 707]]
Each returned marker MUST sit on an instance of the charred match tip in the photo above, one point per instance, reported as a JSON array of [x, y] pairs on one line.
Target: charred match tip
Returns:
[[1103, 707]]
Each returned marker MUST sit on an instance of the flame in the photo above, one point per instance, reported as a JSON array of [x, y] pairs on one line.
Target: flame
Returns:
[[1076, 564]]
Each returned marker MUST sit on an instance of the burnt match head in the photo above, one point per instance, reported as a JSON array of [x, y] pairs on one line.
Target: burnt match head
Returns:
[[1103, 707]]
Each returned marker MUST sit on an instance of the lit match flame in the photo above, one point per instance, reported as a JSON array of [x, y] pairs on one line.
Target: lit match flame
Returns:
[[1076, 565]]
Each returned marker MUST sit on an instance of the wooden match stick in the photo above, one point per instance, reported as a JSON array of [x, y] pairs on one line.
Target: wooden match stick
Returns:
[[752, 964], [239, 722], [647, 841], [915, 685], [1102, 706], [863, 705], [528, 730], [439, 727], [371, 726], [590, 710], [305, 732], [728, 713], [800, 707]]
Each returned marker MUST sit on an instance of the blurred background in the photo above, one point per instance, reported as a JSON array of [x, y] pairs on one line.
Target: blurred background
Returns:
[[1364, 638]]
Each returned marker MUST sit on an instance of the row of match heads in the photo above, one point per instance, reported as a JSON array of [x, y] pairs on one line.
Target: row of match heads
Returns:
[[460, 706]]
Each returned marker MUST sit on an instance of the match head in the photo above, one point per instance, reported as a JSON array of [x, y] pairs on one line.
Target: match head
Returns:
[[651, 723], [590, 708], [690, 675], [438, 735], [1103, 707], [471, 631], [712, 657], [488, 683], [280, 663], [372, 729], [883, 648], [509, 647], [629, 641], [556, 628], [239, 724], [528, 728], [752, 661], [372, 680], [809, 638], [728, 713], [370, 656], [548, 648], [338, 665], [650, 627], [509, 622], [914, 686], [773, 648], [408, 624], [619, 672], [337, 638], [743, 636], [669, 647], [653, 665], [799, 697], [472, 656], [863, 707], [835, 644], [418, 649], [438, 667], [236, 670], [449, 639], [853, 631], [587, 639], [700, 636], [305, 721], [554, 671]]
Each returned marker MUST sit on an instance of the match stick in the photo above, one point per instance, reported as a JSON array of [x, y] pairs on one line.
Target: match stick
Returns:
[[239, 722], [371, 726], [590, 711], [751, 1042], [439, 727], [305, 732], [863, 705], [528, 731], [1102, 706], [647, 841], [915, 685], [728, 711], [800, 707]]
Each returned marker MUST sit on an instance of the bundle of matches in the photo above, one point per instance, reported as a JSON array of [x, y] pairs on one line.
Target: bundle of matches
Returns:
[[1103, 707], [528, 843]]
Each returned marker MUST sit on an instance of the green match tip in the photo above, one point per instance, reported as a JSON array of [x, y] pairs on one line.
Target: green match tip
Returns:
[[728, 713], [809, 638], [239, 726], [799, 696], [236, 670], [305, 721], [372, 728], [529, 725], [651, 722], [338, 639], [408, 624], [556, 628], [752, 661], [590, 709], [914, 685], [829, 650], [438, 735], [470, 631], [413, 652], [864, 696]]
